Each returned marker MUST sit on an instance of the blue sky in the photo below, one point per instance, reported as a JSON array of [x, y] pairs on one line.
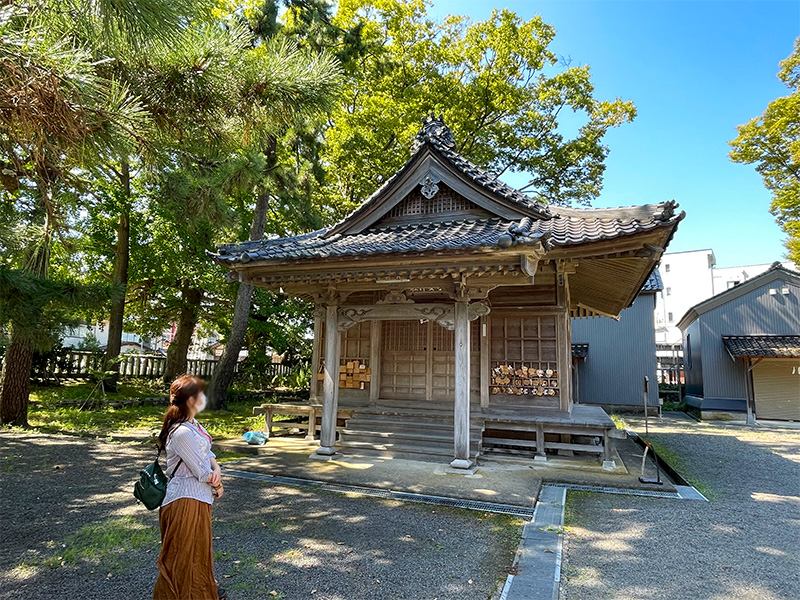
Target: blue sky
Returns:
[[695, 70]]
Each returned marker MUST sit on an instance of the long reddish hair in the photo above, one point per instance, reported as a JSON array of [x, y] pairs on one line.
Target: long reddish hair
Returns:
[[183, 388]]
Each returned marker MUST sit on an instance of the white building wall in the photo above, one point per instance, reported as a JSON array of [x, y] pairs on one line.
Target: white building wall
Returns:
[[688, 279], [727, 277]]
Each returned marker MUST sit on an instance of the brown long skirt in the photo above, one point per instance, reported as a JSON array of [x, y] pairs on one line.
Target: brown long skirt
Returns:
[[186, 562]]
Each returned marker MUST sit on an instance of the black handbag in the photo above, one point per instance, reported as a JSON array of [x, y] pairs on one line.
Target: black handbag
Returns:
[[152, 485]]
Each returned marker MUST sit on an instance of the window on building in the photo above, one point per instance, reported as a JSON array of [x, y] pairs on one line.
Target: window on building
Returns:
[[687, 351], [669, 317], [669, 291], [666, 268]]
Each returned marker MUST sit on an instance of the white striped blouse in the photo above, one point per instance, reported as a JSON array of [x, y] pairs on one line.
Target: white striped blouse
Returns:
[[192, 443]]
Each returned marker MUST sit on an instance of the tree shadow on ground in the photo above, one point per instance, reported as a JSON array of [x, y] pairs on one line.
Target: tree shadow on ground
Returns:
[[741, 545], [73, 529]]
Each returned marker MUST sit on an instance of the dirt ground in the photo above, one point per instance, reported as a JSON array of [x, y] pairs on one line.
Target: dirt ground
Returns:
[[743, 545], [71, 529]]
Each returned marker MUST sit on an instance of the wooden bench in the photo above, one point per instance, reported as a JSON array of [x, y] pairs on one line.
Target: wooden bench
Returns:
[[312, 411]]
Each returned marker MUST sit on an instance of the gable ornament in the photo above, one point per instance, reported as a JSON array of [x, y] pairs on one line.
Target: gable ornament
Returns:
[[429, 187]]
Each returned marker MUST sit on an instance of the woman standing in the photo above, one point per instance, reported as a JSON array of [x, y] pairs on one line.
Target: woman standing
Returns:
[[186, 562]]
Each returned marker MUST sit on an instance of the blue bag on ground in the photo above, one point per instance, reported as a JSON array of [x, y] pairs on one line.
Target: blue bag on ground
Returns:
[[256, 438]]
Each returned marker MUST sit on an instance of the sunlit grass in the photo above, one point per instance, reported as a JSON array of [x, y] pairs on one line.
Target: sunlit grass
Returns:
[[104, 544], [48, 414]]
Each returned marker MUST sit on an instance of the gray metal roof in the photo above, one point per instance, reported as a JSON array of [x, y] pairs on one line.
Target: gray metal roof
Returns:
[[762, 346], [776, 272]]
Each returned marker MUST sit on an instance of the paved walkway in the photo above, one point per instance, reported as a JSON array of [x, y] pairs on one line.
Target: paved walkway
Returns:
[[514, 482], [744, 545]]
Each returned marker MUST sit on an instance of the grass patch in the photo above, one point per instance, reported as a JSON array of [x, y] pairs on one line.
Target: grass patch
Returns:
[[677, 462], [619, 422], [224, 456], [105, 543], [49, 415], [574, 498]]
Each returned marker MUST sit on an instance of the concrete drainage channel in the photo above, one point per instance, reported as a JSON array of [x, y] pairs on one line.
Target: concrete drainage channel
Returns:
[[492, 507], [536, 570]]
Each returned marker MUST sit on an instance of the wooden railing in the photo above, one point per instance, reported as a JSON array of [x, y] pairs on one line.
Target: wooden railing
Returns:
[[77, 364]]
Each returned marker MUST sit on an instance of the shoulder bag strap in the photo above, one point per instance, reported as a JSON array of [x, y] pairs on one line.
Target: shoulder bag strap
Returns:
[[175, 470]]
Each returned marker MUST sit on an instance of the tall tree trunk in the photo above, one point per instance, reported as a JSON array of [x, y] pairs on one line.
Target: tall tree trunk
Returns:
[[121, 263], [15, 381], [187, 321], [224, 370]]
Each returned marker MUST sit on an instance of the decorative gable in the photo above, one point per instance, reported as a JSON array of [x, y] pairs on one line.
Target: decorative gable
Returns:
[[432, 202]]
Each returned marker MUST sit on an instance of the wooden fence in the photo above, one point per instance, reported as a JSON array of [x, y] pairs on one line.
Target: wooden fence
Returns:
[[673, 374], [77, 364]]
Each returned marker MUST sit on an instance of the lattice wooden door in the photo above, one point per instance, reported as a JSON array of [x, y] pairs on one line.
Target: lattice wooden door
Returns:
[[419, 361]]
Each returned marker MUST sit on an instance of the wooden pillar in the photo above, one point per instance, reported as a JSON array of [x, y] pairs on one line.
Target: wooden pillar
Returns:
[[330, 385], [315, 352], [375, 343], [564, 343], [484, 362], [608, 453], [461, 413], [750, 390], [540, 451]]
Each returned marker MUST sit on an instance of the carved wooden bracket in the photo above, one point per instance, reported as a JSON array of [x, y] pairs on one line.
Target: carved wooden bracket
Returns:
[[442, 314], [395, 297]]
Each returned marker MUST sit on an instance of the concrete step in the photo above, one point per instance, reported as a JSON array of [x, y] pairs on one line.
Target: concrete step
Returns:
[[370, 451], [411, 425], [402, 450], [404, 437]]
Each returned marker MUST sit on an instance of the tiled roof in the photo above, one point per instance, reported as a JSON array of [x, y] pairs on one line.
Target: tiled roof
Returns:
[[653, 283], [580, 350], [762, 346], [563, 230], [439, 136], [552, 226], [436, 133]]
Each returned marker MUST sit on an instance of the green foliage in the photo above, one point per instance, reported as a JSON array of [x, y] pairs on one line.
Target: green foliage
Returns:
[[39, 306], [510, 103], [89, 343], [771, 142]]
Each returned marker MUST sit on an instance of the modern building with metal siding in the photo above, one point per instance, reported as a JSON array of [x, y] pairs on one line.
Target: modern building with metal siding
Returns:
[[693, 359], [621, 353], [765, 307]]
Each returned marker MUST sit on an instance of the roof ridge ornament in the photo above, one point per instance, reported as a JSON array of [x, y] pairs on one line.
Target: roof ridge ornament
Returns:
[[434, 131]]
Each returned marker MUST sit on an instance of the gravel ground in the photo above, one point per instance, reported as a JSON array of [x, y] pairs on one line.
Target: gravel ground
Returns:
[[72, 530], [745, 544]]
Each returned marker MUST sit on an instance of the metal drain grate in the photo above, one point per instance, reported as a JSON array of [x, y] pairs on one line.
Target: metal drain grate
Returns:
[[620, 491], [491, 507]]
